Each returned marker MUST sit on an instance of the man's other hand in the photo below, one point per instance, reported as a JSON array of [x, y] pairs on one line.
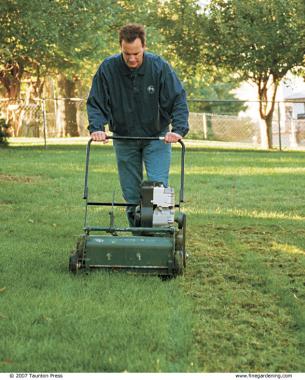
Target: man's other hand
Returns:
[[100, 136], [172, 137]]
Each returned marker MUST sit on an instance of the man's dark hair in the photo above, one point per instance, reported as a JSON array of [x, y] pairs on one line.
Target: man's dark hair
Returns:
[[130, 32]]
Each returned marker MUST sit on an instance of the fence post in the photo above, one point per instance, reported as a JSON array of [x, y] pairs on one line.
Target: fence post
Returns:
[[279, 124], [45, 127], [205, 130]]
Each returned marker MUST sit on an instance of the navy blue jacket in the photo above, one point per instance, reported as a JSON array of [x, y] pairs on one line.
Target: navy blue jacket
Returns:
[[140, 102]]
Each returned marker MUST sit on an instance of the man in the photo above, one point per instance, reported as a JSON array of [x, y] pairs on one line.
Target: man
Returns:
[[137, 94]]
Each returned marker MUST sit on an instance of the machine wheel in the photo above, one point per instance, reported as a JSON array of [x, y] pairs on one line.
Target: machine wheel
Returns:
[[73, 263], [180, 253], [179, 267]]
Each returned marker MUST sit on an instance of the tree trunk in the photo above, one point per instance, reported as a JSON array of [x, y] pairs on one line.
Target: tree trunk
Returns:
[[66, 90], [268, 122], [267, 89], [10, 77], [263, 134]]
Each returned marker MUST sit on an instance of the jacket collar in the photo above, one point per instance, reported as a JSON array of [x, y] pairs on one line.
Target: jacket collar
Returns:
[[127, 71]]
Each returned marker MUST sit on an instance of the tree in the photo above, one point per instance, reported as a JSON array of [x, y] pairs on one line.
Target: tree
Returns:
[[258, 40], [43, 37], [179, 23], [39, 37]]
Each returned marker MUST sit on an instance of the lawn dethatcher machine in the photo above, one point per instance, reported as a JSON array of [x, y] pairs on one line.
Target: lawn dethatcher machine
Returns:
[[154, 245]]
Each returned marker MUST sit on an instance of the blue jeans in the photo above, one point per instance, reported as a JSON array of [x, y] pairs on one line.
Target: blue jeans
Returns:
[[131, 155]]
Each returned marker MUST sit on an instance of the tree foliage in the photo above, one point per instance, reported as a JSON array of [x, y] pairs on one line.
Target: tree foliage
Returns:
[[48, 37], [260, 40], [39, 37], [179, 23]]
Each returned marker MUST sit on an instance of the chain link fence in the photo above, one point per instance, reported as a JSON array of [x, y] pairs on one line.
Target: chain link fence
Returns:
[[46, 118], [24, 118], [239, 122], [228, 121]]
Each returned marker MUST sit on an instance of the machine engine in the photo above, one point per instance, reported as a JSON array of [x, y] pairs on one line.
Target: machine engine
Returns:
[[157, 207]]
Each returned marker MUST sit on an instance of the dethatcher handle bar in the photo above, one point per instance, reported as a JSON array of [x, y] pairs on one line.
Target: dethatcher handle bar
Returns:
[[181, 195]]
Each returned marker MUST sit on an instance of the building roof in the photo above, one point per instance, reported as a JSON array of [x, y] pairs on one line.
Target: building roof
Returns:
[[299, 96]]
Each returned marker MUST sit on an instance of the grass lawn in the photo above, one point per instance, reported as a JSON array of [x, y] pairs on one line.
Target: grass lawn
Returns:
[[240, 307]]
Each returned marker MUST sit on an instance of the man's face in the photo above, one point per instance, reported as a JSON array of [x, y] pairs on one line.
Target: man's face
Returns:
[[133, 53]]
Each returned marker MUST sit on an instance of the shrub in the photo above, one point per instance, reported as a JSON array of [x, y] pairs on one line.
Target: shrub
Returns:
[[3, 132]]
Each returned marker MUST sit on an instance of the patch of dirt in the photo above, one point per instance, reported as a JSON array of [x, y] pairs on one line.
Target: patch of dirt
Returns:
[[16, 178]]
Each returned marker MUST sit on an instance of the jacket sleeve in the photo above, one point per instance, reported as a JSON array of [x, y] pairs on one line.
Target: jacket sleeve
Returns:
[[173, 100], [98, 103]]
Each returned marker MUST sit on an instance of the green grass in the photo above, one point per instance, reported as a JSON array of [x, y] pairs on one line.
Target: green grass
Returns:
[[240, 307]]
